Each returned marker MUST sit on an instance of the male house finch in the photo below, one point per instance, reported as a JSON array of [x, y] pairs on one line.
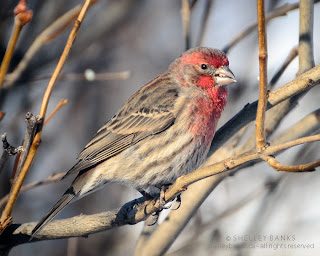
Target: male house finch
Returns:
[[162, 132]]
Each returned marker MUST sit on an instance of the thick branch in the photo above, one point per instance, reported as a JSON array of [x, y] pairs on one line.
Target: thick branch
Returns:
[[136, 210]]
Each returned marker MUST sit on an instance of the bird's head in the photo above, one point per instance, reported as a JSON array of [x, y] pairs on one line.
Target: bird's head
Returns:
[[204, 67]]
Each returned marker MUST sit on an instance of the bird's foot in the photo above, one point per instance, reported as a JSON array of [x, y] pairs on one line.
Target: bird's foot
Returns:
[[178, 203]]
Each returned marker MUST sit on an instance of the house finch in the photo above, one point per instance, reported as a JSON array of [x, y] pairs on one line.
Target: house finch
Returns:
[[162, 132]]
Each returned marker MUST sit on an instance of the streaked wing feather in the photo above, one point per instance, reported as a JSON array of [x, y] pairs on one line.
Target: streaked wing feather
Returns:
[[142, 115], [110, 141]]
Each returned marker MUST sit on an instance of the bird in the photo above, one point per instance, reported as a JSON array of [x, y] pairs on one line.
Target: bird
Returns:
[[162, 132]]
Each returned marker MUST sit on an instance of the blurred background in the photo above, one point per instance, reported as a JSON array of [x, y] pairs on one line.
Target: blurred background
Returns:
[[144, 37]]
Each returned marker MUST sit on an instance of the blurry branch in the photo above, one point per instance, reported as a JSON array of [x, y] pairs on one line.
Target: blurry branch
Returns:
[[204, 22], [263, 56], [307, 125], [22, 17], [146, 232], [291, 56], [306, 60], [193, 3], [51, 32], [51, 179], [208, 226], [72, 246], [60, 105], [281, 11], [37, 139], [2, 114], [185, 16], [90, 75], [8, 150]]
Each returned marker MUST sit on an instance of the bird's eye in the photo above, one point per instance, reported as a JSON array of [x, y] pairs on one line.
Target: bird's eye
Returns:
[[204, 66]]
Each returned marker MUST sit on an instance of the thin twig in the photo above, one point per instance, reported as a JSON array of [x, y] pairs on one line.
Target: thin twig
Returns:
[[36, 142], [51, 179], [263, 56], [290, 168], [60, 105], [22, 17], [51, 32], [281, 11]]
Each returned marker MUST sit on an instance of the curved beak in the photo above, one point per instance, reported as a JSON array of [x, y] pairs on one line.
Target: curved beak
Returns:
[[224, 76]]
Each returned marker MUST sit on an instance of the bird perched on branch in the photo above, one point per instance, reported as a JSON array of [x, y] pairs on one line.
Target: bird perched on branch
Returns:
[[162, 132]]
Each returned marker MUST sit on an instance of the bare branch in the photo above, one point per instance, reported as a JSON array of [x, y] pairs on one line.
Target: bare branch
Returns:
[[8, 150], [306, 60], [22, 17], [53, 178], [263, 56], [60, 105], [298, 168], [46, 36]]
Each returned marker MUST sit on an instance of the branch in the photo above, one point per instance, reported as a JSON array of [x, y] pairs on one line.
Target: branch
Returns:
[[46, 36], [263, 55], [60, 105], [185, 16], [298, 168], [22, 17], [53, 178], [291, 56], [306, 60], [33, 123], [204, 22], [8, 150]]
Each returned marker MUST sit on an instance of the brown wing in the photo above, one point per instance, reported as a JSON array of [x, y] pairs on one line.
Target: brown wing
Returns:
[[145, 116]]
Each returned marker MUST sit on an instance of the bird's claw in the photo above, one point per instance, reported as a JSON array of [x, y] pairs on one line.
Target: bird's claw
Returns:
[[178, 203]]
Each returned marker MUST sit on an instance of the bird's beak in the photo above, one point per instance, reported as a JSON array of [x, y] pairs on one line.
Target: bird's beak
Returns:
[[224, 76]]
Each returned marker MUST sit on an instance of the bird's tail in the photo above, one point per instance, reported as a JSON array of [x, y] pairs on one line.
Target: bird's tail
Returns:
[[58, 207]]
